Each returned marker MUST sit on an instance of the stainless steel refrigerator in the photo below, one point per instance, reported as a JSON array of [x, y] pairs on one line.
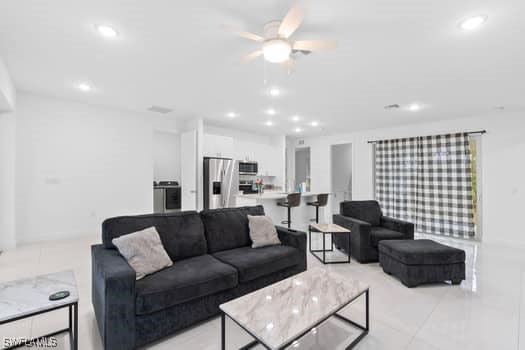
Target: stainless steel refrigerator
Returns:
[[221, 182]]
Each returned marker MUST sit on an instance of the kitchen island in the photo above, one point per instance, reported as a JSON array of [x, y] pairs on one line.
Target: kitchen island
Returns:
[[301, 215]]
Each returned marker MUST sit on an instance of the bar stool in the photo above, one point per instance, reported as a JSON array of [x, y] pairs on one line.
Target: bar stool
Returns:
[[292, 200], [322, 200]]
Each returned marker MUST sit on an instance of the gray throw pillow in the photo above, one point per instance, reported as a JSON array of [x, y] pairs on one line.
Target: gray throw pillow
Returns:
[[262, 231], [144, 252]]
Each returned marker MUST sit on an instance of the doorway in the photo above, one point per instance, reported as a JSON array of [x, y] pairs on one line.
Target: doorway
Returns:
[[302, 169], [189, 170], [341, 166]]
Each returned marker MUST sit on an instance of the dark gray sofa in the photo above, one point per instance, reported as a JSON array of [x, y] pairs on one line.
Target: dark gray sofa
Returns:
[[213, 263], [369, 226]]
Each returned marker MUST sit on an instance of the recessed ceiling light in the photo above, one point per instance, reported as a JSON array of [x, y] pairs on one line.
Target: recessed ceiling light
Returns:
[[84, 87], [268, 123], [314, 123], [232, 115], [296, 118], [297, 129], [414, 107], [271, 111], [472, 23], [274, 92], [107, 31]]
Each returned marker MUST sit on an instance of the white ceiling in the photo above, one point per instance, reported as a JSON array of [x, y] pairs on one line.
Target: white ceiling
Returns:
[[175, 54]]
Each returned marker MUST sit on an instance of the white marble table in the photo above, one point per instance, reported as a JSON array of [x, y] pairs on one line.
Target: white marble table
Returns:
[[278, 315], [30, 296]]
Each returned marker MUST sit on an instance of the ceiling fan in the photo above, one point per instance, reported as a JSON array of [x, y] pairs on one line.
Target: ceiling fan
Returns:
[[276, 44]]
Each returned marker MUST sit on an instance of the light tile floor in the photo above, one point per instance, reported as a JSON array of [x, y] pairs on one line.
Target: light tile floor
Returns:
[[484, 312]]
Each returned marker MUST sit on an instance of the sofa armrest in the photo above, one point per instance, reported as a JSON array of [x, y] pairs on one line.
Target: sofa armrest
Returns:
[[407, 228], [359, 236], [113, 297], [293, 238], [354, 225]]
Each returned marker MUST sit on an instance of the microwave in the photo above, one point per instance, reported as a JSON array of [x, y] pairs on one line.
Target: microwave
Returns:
[[248, 168]]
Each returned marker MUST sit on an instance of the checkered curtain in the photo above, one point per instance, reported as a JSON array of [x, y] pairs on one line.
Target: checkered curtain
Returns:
[[427, 180], [396, 177]]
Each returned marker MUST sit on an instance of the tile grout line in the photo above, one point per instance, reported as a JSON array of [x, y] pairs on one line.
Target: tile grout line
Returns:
[[427, 318]]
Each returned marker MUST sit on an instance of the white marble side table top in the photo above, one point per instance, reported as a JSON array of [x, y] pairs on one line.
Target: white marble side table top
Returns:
[[28, 296]]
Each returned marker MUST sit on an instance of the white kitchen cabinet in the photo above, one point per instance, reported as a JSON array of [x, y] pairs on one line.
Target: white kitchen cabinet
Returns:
[[218, 146]]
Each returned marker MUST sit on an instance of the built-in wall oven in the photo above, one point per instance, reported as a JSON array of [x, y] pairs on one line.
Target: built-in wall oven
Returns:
[[248, 168], [247, 186]]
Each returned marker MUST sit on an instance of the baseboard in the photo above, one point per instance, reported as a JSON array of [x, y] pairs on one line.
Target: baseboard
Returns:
[[22, 239]]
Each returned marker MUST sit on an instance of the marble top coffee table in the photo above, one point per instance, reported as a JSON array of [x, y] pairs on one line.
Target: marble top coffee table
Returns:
[[278, 315], [328, 229], [30, 296]]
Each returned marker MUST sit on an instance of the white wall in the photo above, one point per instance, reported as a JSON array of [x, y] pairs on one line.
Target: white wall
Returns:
[[166, 156], [7, 181], [78, 164], [503, 168], [267, 150], [7, 159], [7, 90]]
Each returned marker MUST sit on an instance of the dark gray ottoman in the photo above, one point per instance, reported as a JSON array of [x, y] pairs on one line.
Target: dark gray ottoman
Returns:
[[421, 261]]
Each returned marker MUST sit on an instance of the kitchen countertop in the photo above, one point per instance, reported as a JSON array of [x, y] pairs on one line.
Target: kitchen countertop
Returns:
[[272, 195]]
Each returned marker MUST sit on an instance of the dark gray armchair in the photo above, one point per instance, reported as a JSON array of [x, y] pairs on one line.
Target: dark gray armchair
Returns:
[[368, 226]]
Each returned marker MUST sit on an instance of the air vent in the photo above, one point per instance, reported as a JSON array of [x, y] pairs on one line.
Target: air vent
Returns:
[[159, 109], [394, 106]]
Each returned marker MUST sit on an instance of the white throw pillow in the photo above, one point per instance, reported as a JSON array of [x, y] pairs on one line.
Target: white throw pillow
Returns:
[[143, 251], [262, 231]]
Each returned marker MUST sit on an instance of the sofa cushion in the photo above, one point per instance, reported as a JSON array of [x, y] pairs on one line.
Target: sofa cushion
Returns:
[[421, 252], [254, 263], [379, 233], [368, 211], [186, 280], [143, 251], [262, 231], [228, 228], [182, 234]]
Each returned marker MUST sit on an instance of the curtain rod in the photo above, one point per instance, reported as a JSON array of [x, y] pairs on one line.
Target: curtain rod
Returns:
[[468, 132]]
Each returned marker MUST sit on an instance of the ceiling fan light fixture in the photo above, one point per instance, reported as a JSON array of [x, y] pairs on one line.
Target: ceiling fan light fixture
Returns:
[[277, 50]]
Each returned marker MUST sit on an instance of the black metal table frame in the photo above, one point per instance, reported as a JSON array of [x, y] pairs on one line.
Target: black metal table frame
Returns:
[[365, 329], [324, 250], [72, 328]]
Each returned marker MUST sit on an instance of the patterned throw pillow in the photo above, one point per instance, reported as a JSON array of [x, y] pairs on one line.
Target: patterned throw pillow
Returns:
[[262, 231], [143, 251]]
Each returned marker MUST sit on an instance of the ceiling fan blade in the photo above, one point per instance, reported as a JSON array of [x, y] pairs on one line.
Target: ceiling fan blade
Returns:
[[314, 45], [251, 56], [291, 22], [244, 34]]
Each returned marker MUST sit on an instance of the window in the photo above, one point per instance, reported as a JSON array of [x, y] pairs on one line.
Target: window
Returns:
[[429, 181]]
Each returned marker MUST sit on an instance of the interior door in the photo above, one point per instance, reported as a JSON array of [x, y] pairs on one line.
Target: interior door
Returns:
[[189, 170], [341, 174]]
